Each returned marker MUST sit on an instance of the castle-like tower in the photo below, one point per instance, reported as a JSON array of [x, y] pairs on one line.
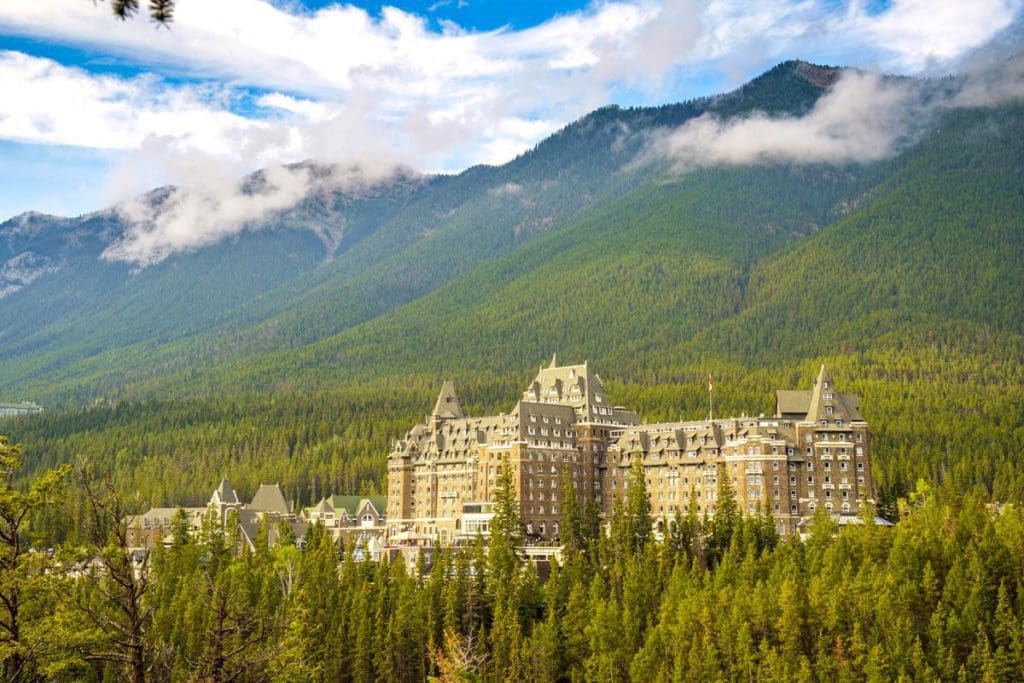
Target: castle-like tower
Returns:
[[441, 477]]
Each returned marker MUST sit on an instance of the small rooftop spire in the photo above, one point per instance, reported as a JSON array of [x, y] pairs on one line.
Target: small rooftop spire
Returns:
[[225, 493], [824, 403], [448, 405], [554, 361]]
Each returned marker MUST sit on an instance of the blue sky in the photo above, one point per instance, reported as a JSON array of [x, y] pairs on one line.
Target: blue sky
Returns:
[[94, 110]]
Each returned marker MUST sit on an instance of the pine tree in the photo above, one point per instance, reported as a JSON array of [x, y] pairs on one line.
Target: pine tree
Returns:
[[506, 531], [16, 568]]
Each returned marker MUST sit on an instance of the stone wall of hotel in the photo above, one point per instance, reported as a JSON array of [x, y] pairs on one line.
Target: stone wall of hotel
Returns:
[[813, 454]]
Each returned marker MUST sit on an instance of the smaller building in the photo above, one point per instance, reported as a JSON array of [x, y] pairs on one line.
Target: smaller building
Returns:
[[23, 408], [268, 504], [354, 520]]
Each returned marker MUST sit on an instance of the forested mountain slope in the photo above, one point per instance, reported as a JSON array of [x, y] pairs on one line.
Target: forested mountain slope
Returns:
[[905, 275], [338, 258]]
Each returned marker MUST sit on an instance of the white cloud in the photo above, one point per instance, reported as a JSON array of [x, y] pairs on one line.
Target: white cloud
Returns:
[[859, 120], [343, 86], [67, 106], [218, 207], [864, 117]]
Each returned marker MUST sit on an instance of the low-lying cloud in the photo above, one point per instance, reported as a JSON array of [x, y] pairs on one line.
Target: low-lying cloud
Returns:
[[200, 215], [859, 120], [862, 118]]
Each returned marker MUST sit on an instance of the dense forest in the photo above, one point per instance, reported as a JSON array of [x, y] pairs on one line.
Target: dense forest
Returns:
[[754, 275], [938, 597], [904, 276]]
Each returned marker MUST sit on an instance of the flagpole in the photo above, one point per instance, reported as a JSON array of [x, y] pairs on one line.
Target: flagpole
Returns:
[[711, 406]]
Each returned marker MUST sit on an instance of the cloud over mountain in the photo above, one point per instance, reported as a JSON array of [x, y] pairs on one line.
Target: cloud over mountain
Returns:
[[182, 219], [863, 117]]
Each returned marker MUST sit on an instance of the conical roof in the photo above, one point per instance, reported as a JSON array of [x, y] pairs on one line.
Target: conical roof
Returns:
[[827, 403], [448, 405], [270, 498], [225, 493], [323, 507]]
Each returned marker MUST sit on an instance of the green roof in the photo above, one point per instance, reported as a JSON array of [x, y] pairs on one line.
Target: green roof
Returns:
[[351, 504]]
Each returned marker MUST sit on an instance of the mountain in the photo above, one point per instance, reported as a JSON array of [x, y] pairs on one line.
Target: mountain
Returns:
[[320, 330], [334, 260]]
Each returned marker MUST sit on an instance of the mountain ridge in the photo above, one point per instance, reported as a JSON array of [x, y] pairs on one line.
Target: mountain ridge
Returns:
[[420, 238]]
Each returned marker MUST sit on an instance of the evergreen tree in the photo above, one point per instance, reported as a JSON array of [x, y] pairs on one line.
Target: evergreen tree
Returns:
[[19, 570]]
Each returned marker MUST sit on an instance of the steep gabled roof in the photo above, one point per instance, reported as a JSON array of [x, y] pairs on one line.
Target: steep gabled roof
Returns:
[[225, 493], [792, 403], [322, 508], [378, 503], [270, 498], [828, 404], [448, 405]]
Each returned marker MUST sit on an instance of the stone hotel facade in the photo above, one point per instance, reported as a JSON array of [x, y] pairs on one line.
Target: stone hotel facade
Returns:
[[812, 453]]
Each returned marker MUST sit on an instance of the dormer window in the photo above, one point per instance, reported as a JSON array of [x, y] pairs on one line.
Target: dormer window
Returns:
[[828, 396], [828, 410]]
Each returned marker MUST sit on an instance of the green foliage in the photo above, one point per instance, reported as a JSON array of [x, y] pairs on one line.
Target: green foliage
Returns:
[[903, 276], [938, 597]]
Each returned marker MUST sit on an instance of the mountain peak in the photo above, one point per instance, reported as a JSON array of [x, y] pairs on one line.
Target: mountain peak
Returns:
[[815, 74]]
